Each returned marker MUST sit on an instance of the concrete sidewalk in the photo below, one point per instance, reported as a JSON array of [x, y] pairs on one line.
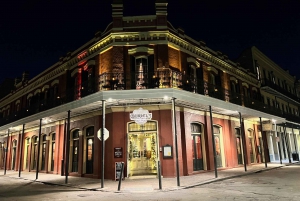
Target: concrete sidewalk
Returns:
[[145, 183]]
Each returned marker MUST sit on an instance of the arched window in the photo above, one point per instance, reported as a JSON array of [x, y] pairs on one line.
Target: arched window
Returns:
[[141, 69], [212, 79], [197, 148]]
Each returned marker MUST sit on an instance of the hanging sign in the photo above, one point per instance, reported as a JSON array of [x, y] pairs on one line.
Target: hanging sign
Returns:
[[267, 127], [140, 116]]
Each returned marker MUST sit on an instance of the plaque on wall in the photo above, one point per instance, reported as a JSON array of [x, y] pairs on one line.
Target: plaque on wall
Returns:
[[167, 151], [118, 152]]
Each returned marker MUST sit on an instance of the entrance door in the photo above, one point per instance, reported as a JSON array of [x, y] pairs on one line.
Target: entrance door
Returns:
[[35, 150], [239, 146], [197, 149], [218, 145], [142, 154], [197, 153], [13, 158], [14, 154], [251, 147]]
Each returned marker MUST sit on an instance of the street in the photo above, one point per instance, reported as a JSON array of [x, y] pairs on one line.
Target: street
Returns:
[[278, 184]]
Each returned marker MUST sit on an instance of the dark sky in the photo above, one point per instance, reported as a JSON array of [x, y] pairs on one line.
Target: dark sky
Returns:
[[35, 33]]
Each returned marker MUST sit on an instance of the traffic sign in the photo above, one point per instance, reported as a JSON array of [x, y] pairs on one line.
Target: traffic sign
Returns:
[[106, 133]]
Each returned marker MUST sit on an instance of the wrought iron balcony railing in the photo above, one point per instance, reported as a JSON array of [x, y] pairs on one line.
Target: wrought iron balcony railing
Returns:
[[162, 78], [271, 84]]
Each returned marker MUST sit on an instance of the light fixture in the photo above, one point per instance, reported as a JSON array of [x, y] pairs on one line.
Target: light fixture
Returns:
[[166, 97], [109, 100]]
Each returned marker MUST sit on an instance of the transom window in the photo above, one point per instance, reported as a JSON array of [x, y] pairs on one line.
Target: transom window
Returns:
[[148, 126]]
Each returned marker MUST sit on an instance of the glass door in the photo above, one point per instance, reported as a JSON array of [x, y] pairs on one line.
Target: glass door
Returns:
[[197, 153], [142, 154]]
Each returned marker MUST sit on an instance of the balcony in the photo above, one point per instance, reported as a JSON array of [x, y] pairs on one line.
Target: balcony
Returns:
[[276, 90], [162, 78]]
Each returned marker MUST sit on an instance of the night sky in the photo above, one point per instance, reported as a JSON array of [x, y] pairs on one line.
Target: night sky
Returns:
[[35, 33]]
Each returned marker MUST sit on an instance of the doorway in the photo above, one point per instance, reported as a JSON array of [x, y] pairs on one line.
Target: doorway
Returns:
[[239, 146], [142, 149], [14, 155], [197, 146], [218, 145]]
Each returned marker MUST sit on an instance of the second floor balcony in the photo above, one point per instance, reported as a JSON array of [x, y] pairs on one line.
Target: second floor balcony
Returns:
[[163, 78], [273, 88]]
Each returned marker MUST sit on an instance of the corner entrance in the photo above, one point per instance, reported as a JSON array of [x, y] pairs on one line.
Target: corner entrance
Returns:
[[142, 149]]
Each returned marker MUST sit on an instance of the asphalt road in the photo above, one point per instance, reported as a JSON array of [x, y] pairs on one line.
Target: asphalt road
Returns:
[[278, 184]]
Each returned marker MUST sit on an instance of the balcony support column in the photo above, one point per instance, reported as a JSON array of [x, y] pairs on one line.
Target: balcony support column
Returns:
[[39, 150], [21, 150], [6, 152]]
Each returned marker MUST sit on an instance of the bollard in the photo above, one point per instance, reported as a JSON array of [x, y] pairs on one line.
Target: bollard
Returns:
[[159, 175], [121, 176]]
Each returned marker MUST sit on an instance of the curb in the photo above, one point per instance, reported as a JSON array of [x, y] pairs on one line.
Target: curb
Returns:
[[166, 189]]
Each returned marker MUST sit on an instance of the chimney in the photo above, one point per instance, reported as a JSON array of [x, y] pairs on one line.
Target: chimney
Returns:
[[161, 7], [17, 81], [117, 14], [25, 76], [161, 13]]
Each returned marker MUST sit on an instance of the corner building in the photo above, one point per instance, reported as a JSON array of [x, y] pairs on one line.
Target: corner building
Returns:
[[191, 97]]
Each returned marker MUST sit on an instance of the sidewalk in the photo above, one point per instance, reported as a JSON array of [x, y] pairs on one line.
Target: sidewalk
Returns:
[[146, 184]]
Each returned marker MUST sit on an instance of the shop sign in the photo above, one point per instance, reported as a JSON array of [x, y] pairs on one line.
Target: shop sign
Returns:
[[140, 116], [267, 127]]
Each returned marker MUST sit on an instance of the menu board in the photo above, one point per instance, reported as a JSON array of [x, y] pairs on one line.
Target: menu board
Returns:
[[118, 169]]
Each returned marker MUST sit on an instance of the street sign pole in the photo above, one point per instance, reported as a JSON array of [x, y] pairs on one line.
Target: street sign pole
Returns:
[[103, 143]]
